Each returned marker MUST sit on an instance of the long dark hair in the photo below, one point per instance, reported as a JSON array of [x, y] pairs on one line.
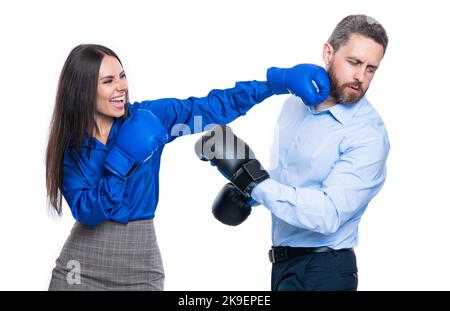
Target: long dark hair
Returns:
[[73, 115]]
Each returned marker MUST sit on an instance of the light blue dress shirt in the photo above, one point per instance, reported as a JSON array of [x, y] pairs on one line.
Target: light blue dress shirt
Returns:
[[326, 166]]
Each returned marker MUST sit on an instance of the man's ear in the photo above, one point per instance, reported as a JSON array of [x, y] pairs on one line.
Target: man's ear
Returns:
[[327, 54]]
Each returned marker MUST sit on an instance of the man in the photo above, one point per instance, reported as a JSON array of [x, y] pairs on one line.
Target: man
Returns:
[[328, 164]]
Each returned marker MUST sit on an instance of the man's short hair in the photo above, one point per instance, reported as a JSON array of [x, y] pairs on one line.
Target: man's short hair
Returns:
[[358, 24]]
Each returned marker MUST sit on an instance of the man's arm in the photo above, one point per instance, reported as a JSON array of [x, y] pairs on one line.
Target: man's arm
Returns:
[[357, 177]]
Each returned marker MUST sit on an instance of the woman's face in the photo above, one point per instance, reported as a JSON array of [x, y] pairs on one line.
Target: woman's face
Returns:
[[112, 88]]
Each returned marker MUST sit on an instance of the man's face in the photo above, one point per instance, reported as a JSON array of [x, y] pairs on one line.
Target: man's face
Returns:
[[352, 67]]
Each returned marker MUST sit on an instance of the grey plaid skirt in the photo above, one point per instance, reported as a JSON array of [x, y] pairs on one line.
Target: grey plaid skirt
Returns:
[[110, 256]]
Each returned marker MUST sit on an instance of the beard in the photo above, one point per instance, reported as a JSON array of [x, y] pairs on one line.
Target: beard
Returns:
[[338, 90]]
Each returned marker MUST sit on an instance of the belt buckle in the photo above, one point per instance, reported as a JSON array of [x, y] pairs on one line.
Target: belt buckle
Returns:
[[272, 255], [278, 255]]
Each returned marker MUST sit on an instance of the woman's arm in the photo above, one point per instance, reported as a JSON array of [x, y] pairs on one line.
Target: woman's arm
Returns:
[[93, 202], [192, 115]]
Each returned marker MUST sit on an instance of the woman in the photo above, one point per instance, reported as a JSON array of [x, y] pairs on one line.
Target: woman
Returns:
[[113, 245], [103, 157]]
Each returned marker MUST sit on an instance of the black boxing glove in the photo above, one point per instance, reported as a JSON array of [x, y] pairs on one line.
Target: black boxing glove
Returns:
[[232, 157], [231, 207]]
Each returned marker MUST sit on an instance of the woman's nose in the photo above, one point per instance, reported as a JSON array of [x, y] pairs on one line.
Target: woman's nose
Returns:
[[122, 85]]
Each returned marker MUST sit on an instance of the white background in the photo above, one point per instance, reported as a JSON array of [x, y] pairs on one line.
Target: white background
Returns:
[[184, 48]]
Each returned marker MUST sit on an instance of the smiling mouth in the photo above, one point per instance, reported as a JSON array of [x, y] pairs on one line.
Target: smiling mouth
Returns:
[[118, 100]]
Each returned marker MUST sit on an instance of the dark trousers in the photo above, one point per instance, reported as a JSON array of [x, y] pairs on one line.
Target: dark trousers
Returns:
[[330, 271]]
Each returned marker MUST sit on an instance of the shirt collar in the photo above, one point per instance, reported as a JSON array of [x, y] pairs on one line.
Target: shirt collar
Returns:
[[342, 112]]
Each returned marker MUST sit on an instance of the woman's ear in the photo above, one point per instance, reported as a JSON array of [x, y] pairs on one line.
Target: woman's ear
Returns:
[[327, 54]]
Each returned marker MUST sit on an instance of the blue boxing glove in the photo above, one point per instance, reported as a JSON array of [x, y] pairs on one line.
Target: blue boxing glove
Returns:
[[138, 138], [307, 81]]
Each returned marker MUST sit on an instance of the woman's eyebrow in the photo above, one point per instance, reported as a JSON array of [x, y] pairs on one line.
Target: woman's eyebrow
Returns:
[[111, 76]]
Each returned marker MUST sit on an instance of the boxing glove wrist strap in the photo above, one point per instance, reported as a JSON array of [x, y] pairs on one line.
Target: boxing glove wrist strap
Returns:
[[119, 162], [276, 80], [248, 176]]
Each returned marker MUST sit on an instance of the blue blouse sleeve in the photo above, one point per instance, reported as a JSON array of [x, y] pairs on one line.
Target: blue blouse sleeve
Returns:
[[191, 115], [94, 200]]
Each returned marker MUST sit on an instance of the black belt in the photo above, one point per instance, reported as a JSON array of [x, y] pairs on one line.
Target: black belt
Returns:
[[283, 253]]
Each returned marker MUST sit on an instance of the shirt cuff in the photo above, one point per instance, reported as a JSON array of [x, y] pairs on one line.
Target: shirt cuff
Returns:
[[259, 192]]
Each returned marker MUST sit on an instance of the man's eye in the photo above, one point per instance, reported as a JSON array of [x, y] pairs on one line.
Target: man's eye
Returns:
[[123, 76]]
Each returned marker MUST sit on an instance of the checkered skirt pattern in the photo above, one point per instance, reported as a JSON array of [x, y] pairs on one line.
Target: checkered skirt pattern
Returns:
[[110, 256]]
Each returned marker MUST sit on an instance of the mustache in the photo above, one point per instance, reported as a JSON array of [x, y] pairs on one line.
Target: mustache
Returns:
[[356, 84]]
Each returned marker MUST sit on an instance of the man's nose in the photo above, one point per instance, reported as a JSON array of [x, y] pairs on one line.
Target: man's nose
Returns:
[[359, 75]]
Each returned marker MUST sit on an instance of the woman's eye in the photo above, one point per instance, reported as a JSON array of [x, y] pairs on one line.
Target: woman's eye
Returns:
[[107, 81]]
